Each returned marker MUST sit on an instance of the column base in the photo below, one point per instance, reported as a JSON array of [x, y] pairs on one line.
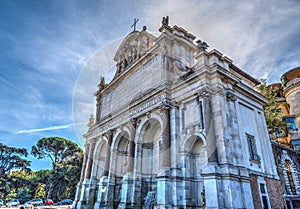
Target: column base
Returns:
[[77, 197], [81, 205], [164, 192], [126, 192], [125, 206], [167, 206]]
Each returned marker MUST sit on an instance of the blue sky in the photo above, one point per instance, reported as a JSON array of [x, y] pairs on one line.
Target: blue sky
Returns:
[[49, 47]]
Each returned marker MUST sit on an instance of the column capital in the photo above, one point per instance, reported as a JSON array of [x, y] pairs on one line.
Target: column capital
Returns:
[[86, 145], [230, 96], [218, 90], [165, 145], [204, 92], [93, 141], [109, 133], [133, 122], [167, 105]]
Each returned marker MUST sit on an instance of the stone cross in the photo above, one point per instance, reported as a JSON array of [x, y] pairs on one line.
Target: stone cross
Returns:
[[134, 23]]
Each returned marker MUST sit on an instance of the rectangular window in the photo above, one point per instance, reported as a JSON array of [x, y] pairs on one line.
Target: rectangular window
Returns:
[[264, 196], [252, 148], [262, 189]]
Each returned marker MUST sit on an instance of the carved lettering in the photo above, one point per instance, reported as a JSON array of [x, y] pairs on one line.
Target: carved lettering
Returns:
[[146, 77]]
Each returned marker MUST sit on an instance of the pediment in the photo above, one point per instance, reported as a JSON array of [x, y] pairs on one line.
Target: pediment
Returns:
[[135, 45]]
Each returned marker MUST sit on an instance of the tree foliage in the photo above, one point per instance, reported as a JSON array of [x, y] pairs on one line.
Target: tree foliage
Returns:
[[55, 148], [12, 158], [18, 182], [12, 184], [66, 157], [274, 116]]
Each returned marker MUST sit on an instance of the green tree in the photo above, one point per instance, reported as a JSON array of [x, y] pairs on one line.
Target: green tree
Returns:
[[66, 157], [274, 116], [12, 185], [24, 195], [12, 158]]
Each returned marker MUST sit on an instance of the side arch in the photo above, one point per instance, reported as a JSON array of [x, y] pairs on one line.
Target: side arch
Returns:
[[99, 158], [140, 131], [188, 142]]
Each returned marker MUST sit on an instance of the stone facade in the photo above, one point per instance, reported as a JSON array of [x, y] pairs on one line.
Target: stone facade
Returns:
[[177, 127], [288, 166]]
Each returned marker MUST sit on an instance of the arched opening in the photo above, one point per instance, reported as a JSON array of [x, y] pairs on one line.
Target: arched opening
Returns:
[[195, 159], [122, 152], [100, 156], [150, 158], [290, 179], [120, 164]]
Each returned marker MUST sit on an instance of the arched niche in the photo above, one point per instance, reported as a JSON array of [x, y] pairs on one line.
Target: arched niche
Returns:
[[121, 147], [148, 163], [194, 155], [150, 141], [99, 159]]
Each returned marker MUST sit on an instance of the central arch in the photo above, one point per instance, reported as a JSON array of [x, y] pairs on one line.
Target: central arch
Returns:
[[121, 152], [150, 162]]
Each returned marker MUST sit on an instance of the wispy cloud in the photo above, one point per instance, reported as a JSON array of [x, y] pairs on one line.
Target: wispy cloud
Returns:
[[44, 129], [257, 35]]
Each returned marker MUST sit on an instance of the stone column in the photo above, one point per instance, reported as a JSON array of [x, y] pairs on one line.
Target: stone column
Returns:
[[90, 160], [163, 179], [165, 144], [238, 152], [110, 191], [80, 185], [87, 174], [174, 133], [137, 179], [207, 124], [174, 156], [131, 146], [89, 188], [108, 152], [127, 182], [220, 126], [231, 132], [82, 175]]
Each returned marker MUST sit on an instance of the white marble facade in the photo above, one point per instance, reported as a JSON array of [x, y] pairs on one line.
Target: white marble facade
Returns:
[[178, 127]]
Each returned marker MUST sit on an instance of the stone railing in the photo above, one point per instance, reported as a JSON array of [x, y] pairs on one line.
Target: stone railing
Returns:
[[292, 82]]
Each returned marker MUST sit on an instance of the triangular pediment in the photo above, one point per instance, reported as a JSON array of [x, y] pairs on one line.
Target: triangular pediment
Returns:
[[135, 45]]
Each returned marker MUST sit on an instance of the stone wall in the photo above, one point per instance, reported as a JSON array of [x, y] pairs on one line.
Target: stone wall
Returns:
[[255, 192], [275, 193]]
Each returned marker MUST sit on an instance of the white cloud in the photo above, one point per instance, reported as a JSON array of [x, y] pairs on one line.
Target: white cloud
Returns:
[[44, 129], [256, 34]]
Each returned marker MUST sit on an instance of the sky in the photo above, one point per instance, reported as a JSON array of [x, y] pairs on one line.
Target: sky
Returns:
[[53, 52]]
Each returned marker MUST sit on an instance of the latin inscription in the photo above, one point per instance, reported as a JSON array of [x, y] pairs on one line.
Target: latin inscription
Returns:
[[146, 77], [148, 104]]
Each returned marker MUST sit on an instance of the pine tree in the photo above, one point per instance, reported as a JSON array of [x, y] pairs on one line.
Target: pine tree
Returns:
[[274, 116]]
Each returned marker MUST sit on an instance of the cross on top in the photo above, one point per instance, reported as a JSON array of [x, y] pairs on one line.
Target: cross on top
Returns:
[[134, 23]]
